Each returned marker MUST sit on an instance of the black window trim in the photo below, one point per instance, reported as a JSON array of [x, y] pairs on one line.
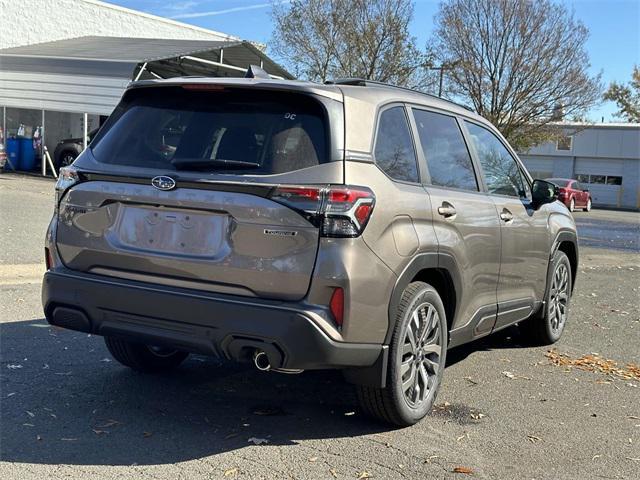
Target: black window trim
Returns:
[[523, 171], [423, 159], [381, 109]]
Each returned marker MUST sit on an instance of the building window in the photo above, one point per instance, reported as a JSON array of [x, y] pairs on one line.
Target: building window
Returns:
[[582, 178], [598, 179], [614, 180], [564, 143]]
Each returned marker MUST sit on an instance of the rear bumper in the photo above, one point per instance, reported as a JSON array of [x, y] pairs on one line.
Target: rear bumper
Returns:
[[222, 325]]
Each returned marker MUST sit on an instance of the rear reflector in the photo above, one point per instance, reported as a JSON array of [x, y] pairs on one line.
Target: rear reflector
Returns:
[[336, 305], [339, 211]]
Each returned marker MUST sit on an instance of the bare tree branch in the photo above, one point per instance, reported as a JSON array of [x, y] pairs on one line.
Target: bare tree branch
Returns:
[[516, 61]]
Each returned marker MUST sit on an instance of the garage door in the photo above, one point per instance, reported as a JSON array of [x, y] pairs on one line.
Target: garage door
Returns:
[[538, 167], [603, 177]]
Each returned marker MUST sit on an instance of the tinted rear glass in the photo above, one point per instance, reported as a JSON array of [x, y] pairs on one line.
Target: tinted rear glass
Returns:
[[226, 131]]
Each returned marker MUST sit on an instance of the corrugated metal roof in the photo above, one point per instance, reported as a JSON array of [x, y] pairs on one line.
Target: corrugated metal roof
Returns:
[[116, 49], [89, 74]]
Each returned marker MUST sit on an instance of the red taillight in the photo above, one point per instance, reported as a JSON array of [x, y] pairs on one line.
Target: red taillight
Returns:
[[339, 211], [48, 259], [336, 305]]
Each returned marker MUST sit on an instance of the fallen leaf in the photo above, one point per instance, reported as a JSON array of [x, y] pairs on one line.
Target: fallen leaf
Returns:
[[533, 438], [465, 470], [594, 457], [258, 441], [313, 459], [268, 411], [509, 375], [108, 423], [363, 474], [333, 472], [231, 472]]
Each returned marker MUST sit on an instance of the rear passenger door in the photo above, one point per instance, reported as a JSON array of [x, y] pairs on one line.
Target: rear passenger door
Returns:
[[524, 233], [464, 218]]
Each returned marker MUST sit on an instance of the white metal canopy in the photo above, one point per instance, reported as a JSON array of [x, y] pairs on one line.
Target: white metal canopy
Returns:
[[89, 74]]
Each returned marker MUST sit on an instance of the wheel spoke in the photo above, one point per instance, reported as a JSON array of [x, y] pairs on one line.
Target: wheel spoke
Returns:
[[406, 366], [408, 383], [432, 348], [424, 377], [432, 366]]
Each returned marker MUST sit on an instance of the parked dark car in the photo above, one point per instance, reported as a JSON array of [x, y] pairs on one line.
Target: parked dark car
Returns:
[[572, 194], [298, 226], [68, 149]]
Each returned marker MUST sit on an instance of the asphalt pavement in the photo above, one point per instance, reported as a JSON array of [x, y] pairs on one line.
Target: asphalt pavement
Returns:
[[505, 411]]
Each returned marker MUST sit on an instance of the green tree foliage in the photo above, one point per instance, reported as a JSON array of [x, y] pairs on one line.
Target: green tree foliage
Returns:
[[627, 97]]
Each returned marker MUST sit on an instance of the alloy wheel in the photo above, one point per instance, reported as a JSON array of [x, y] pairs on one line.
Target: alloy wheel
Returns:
[[559, 298], [420, 357]]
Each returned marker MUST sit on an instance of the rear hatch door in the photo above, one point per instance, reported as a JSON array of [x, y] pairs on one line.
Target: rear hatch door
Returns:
[[176, 190]]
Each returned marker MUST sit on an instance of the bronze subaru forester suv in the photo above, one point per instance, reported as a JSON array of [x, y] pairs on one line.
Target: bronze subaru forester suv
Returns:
[[352, 225]]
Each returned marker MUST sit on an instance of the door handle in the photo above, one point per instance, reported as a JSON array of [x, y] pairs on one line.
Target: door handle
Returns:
[[506, 215], [447, 210]]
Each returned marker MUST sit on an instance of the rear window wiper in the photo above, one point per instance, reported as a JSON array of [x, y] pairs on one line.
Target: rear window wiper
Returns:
[[199, 163]]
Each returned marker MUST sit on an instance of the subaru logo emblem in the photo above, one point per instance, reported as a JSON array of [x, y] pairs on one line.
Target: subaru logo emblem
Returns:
[[163, 182]]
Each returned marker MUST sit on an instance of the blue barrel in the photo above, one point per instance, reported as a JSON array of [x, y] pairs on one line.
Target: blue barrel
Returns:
[[13, 153], [27, 154]]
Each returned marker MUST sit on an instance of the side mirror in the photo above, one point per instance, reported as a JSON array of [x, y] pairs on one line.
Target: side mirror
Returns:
[[543, 192]]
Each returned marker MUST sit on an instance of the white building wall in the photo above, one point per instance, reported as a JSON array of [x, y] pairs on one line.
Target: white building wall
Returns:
[[25, 22]]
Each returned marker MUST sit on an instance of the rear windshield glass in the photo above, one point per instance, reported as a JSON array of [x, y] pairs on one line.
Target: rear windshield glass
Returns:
[[225, 131]]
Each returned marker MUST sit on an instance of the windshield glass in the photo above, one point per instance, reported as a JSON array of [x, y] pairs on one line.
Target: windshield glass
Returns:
[[174, 128]]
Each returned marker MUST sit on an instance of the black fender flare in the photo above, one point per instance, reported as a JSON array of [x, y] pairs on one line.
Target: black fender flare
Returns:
[[562, 236], [423, 261], [376, 375]]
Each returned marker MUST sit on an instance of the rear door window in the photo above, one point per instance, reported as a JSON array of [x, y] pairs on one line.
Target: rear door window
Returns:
[[234, 131], [448, 160], [394, 152]]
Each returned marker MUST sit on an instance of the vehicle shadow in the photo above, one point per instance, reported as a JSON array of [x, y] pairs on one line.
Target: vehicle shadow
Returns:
[[507, 338], [65, 401]]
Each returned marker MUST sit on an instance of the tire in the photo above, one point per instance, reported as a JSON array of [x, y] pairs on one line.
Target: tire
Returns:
[[588, 207], [66, 158], [572, 205], [546, 326], [144, 358], [404, 406]]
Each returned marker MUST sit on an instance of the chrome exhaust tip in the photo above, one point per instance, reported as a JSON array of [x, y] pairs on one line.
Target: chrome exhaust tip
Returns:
[[261, 361]]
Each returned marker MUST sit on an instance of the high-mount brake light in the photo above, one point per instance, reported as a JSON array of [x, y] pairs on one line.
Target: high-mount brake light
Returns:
[[203, 87], [339, 211]]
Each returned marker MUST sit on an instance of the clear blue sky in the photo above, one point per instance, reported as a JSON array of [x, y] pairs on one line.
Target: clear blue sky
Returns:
[[614, 43]]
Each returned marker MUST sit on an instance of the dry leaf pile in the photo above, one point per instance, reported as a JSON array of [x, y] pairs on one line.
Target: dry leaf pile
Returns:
[[595, 363]]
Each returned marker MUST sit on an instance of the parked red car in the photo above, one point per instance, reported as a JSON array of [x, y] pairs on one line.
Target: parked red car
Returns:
[[572, 194]]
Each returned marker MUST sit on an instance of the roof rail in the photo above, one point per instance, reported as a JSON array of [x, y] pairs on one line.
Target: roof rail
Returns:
[[362, 82]]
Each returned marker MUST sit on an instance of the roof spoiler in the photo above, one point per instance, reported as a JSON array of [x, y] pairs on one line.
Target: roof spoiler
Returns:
[[256, 72]]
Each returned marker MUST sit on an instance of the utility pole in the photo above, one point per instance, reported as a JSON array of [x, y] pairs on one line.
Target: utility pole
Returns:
[[441, 69]]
